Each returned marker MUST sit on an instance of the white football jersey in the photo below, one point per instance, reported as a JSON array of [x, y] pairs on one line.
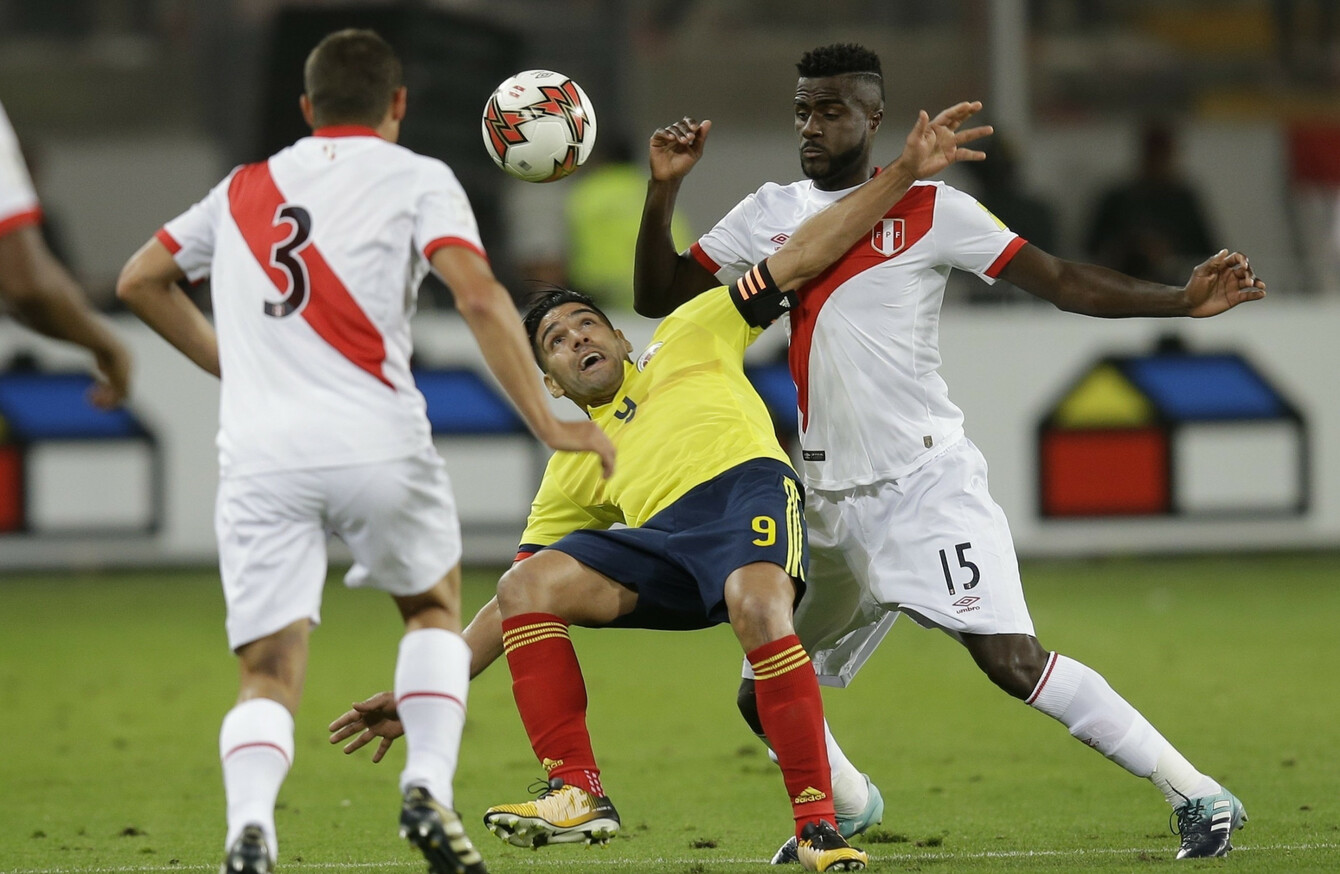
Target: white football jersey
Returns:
[[18, 202], [315, 258], [864, 338]]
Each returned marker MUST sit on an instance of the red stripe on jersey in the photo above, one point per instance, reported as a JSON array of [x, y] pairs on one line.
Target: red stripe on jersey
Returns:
[[169, 242], [254, 201], [1005, 257], [697, 253], [443, 242], [345, 130], [20, 220], [917, 210]]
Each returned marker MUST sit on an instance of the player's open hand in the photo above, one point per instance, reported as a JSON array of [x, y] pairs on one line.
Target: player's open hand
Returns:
[[676, 148], [935, 143], [583, 437], [375, 717], [1221, 283]]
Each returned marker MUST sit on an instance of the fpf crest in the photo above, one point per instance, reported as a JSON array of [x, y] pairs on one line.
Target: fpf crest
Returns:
[[887, 237]]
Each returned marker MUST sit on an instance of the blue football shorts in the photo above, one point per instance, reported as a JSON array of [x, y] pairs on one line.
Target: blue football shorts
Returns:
[[679, 560]]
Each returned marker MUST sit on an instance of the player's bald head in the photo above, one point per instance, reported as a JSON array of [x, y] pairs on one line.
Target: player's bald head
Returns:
[[351, 77], [858, 68]]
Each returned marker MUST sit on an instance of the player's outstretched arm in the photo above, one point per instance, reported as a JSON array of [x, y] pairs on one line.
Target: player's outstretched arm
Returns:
[[148, 285], [44, 297], [376, 717], [662, 278], [1220, 283], [492, 318], [931, 146]]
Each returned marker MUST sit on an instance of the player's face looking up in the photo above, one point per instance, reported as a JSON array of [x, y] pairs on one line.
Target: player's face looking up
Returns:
[[836, 118], [582, 355]]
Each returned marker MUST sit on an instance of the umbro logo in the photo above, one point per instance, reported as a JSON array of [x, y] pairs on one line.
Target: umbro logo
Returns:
[[781, 238], [966, 601]]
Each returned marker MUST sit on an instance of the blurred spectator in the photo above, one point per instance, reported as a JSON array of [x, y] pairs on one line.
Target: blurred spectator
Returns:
[[582, 231], [1001, 190], [1153, 226], [1307, 39], [602, 214]]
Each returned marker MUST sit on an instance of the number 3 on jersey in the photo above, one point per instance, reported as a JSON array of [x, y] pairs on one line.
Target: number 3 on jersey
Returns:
[[286, 255]]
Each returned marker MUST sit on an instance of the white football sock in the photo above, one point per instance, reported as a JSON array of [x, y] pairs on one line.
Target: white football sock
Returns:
[[850, 792], [1179, 781], [256, 749], [432, 675], [1082, 700]]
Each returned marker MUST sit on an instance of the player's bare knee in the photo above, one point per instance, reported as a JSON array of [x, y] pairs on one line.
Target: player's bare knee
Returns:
[[1014, 662], [761, 594], [759, 618], [517, 590], [435, 608]]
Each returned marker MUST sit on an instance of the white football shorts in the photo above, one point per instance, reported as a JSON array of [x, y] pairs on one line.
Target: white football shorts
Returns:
[[931, 544], [398, 519]]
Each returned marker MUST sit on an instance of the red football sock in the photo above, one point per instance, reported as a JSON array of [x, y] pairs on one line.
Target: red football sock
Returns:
[[792, 713], [551, 697]]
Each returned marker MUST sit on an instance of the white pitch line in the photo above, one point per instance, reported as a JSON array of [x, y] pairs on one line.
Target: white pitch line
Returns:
[[684, 860]]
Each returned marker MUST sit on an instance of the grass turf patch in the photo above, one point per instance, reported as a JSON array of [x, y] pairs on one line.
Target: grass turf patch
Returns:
[[116, 684]]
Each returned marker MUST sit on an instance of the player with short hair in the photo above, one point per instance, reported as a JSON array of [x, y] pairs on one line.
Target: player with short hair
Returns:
[[315, 257], [713, 509], [897, 502], [38, 290], [715, 534]]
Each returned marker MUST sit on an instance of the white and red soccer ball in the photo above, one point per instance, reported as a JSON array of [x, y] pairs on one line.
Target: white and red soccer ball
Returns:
[[539, 126]]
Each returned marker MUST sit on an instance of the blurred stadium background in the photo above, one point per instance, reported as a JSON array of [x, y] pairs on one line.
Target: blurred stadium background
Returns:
[[1104, 437]]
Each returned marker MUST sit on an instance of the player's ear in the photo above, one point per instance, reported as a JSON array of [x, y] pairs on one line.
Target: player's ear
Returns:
[[875, 118], [399, 101], [308, 114], [627, 347], [555, 390]]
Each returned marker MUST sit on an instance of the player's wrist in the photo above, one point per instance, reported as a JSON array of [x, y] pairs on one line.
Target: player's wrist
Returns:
[[900, 171], [664, 181]]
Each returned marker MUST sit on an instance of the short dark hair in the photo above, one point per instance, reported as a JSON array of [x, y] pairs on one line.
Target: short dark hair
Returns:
[[547, 299], [350, 78], [841, 59]]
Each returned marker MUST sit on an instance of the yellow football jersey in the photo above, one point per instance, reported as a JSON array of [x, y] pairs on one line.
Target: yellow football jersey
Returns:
[[685, 413]]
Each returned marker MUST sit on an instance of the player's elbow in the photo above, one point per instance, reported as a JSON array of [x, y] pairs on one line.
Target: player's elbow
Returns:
[[131, 285], [480, 300]]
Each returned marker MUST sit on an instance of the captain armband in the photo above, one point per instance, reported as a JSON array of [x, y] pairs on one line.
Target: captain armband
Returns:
[[758, 298]]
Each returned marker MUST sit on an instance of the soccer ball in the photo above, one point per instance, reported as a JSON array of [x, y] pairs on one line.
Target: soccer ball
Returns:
[[539, 126]]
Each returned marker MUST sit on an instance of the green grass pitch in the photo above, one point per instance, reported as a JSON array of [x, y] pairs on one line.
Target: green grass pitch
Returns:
[[114, 686]]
